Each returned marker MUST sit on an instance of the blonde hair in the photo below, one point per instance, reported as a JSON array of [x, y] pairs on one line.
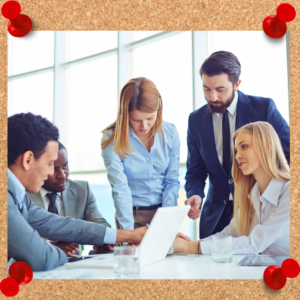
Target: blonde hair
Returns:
[[141, 94], [269, 150]]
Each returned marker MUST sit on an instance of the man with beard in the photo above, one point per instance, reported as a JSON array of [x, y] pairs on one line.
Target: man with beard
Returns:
[[210, 130], [68, 198]]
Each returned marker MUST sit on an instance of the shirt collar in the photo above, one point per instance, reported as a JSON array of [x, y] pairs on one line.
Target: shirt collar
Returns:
[[271, 193], [43, 192], [19, 188], [232, 108], [273, 190]]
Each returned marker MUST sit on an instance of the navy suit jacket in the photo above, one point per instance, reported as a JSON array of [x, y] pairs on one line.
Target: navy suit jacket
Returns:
[[203, 158]]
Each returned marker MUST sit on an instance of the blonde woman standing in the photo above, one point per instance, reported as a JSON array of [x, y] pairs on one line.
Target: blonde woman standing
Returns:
[[141, 155], [261, 223]]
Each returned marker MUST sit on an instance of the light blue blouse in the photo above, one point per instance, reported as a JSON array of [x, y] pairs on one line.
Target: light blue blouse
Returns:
[[143, 178]]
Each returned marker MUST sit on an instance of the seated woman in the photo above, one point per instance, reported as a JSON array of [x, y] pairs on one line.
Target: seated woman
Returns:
[[261, 223], [141, 155]]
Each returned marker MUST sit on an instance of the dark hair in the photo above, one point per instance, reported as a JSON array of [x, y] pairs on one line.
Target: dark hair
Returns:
[[222, 62], [61, 146], [28, 132]]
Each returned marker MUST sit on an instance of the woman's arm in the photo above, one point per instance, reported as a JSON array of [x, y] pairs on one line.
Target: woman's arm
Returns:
[[171, 179], [263, 235], [121, 192]]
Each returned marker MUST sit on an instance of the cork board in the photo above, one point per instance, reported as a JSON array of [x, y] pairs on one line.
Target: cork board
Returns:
[[156, 15]]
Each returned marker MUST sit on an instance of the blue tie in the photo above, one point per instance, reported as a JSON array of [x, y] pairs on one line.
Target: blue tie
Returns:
[[226, 142], [52, 208]]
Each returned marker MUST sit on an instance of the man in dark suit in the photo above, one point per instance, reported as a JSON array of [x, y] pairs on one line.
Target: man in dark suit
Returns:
[[32, 150], [68, 198], [210, 130]]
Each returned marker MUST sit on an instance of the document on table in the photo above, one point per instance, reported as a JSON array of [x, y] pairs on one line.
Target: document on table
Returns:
[[99, 262]]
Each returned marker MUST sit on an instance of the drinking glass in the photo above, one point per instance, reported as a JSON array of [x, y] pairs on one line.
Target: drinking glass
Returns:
[[221, 249], [126, 262]]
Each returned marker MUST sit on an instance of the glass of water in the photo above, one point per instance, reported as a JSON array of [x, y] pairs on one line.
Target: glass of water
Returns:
[[221, 249], [126, 262]]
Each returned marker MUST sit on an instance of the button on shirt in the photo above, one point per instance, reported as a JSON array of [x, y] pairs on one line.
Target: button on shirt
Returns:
[[217, 125], [144, 178], [270, 230]]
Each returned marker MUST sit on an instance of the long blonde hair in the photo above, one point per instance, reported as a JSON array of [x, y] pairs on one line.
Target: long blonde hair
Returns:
[[269, 150], [141, 94]]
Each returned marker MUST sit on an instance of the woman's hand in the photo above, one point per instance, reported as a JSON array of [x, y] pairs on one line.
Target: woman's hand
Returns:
[[181, 235], [181, 245]]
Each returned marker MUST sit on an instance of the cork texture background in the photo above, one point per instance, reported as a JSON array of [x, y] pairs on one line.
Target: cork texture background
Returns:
[[244, 15]]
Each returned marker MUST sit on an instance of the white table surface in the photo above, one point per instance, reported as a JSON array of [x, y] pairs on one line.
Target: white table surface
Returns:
[[175, 267]]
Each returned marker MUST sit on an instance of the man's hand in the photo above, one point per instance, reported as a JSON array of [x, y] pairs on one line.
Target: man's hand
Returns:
[[137, 235], [131, 236], [195, 203], [68, 248], [105, 248]]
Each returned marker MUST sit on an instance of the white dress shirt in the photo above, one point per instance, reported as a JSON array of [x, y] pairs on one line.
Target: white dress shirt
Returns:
[[218, 129], [270, 230], [58, 203]]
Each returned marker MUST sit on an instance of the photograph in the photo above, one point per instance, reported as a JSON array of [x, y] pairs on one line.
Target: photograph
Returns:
[[148, 154]]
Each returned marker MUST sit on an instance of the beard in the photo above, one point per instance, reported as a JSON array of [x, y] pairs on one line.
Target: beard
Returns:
[[222, 107]]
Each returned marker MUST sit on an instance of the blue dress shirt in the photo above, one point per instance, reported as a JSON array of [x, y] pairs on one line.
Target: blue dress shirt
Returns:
[[20, 189], [144, 178]]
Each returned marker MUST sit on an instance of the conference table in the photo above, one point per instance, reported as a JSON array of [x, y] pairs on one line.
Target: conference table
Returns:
[[172, 267]]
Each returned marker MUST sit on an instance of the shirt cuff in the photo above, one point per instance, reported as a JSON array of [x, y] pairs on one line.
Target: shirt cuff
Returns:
[[205, 247], [110, 236]]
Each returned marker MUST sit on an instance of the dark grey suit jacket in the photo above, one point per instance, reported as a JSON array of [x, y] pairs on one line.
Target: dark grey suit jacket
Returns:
[[78, 200], [25, 227]]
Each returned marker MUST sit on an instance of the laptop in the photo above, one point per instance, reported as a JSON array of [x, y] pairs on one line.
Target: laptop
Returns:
[[161, 233], [156, 242]]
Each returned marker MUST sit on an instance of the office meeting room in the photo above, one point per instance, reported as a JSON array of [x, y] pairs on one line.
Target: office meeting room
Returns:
[[148, 154]]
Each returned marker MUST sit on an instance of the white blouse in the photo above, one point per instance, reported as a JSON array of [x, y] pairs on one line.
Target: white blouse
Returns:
[[270, 230]]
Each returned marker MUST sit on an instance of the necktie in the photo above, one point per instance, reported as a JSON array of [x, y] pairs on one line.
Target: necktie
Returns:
[[52, 208], [226, 142]]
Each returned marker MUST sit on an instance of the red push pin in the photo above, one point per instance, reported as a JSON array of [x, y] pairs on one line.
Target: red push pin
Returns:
[[19, 25], [21, 272], [275, 26], [9, 287], [275, 277]]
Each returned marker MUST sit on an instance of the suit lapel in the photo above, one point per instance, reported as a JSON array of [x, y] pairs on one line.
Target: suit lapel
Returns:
[[68, 197], [243, 111], [37, 199]]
